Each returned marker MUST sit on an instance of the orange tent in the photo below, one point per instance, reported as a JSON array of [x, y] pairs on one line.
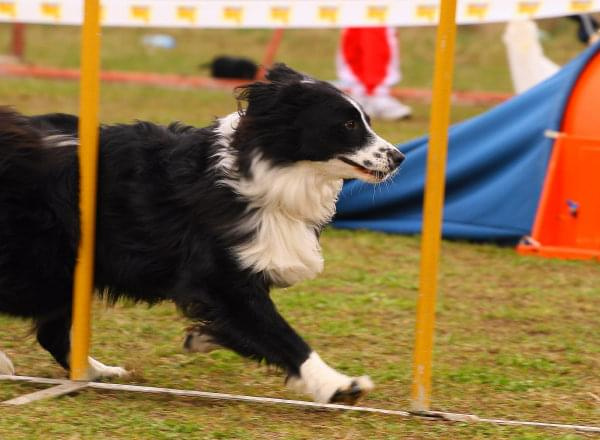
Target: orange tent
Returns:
[[567, 223]]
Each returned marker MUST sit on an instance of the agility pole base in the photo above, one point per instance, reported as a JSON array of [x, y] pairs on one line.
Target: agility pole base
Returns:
[[62, 386]]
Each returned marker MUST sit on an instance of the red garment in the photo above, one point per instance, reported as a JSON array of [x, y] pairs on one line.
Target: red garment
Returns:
[[368, 54], [367, 60]]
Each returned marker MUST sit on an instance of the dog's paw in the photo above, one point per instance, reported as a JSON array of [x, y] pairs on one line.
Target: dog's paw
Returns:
[[198, 342], [343, 389], [355, 390], [6, 366], [327, 385], [97, 370]]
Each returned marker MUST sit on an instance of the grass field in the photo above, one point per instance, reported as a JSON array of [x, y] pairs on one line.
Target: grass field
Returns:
[[516, 337]]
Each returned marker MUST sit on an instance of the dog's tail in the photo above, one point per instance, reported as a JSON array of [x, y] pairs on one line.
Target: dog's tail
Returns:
[[16, 131], [26, 152], [19, 146]]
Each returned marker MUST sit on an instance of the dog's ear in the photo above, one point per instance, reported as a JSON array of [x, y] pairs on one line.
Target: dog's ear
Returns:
[[284, 89], [280, 73], [257, 98], [262, 98]]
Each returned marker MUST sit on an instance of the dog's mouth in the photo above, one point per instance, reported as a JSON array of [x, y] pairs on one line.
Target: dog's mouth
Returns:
[[369, 173]]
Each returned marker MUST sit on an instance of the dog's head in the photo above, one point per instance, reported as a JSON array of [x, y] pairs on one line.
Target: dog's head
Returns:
[[296, 118]]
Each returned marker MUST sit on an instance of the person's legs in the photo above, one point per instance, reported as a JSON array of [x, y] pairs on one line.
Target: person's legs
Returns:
[[368, 65]]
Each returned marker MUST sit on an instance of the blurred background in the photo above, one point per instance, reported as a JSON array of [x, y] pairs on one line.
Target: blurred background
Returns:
[[516, 336], [480, 59]]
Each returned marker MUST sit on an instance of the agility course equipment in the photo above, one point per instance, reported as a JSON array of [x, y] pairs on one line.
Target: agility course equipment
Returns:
[[497, 165], [287, 13], [568, 218], [433, 205], [62, 387], [89, 106]]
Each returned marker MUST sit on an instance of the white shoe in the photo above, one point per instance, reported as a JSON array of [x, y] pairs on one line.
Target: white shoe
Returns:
[[385, 107]]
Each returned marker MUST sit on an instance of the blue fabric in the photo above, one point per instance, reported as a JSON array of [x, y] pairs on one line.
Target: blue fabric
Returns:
[[495, 172]]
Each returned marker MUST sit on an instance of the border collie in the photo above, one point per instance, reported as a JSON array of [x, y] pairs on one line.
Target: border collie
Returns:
[[209, 218]]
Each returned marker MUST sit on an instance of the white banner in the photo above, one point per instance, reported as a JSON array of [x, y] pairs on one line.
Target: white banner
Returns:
[[285, 14]]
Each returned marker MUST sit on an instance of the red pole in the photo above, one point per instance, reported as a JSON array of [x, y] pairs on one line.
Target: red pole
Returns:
[[18, 41], [270, 53]]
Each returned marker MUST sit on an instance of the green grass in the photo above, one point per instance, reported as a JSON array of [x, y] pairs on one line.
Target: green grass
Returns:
[[516, 337]]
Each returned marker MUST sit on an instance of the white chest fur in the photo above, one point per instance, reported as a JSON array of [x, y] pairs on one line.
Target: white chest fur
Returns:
[[286, 205]]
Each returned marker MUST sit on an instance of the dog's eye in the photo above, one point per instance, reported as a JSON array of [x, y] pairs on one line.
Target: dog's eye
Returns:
[[350, 125]]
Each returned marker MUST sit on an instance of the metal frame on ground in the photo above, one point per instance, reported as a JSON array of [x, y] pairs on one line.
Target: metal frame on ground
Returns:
[[62, 387]]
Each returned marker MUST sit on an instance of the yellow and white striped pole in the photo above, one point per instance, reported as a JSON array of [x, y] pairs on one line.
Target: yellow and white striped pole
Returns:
[[89, 98], [433, 206]]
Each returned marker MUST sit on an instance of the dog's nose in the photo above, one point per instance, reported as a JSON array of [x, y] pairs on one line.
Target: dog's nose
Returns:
[[395, 158]]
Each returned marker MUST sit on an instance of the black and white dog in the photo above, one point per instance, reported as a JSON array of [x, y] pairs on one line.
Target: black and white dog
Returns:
[[209, 218]]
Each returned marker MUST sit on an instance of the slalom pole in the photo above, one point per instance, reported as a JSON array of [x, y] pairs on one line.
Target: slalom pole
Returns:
[[433, 206], [89, 98]]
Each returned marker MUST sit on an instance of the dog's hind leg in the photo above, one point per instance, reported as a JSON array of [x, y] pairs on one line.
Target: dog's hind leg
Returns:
[[196, 341], [6, 366], [97, 370], [249, 324], [54, 336]]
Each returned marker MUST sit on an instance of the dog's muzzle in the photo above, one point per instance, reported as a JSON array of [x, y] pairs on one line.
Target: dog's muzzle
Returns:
[[377, 165], [395, 158]]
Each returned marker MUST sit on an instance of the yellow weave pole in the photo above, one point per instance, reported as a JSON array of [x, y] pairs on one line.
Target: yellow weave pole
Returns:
[[89, 98], [433, 206]]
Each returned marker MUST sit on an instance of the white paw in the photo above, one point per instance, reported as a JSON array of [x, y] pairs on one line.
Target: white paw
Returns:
[[6, 366], [326, 385], [97, 370]]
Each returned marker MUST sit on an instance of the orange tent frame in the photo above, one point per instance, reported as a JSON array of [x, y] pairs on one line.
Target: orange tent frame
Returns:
[[567, 224]]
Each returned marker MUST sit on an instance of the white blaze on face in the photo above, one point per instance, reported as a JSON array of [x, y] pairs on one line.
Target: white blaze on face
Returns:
[[374, 155]]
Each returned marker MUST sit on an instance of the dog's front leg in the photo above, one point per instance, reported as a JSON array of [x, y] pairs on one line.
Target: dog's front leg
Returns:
[[327, 385], [249, 324]]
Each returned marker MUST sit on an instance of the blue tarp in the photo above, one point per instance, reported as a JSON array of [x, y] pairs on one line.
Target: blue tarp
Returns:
[[496, 167]]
